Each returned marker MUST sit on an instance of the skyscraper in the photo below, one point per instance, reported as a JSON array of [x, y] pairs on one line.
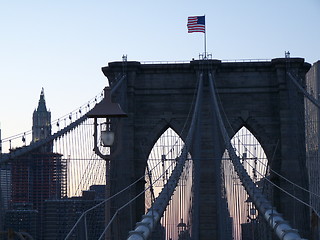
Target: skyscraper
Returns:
[[38, 175], [41, 119], [312, 121]]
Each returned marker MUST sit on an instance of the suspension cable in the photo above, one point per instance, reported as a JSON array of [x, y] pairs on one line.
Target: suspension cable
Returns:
[[130, 201], [186, 121], [35, 145], [283, 190], [316, 103], [42, 142], [99, 204], [145, 227], [284, 178], [113, 196], [306, 94], [282, 229], [275, 172]]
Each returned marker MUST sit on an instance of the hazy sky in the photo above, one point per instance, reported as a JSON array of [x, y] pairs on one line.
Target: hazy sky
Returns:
[[62, 45]]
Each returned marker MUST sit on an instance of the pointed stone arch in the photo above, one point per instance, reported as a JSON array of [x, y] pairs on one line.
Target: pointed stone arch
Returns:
[[161, 162], [158, 130], [163, 152], [264, 136], [254, 160]]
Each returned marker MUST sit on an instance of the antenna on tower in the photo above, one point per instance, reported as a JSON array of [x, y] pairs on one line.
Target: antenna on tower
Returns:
[[124, 63], [287, 54]]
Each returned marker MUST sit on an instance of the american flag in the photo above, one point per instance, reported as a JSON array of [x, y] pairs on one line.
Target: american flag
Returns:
[[196, 24]]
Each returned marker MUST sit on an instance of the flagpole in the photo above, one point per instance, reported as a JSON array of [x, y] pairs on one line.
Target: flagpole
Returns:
[[198, 24], [205, 39]]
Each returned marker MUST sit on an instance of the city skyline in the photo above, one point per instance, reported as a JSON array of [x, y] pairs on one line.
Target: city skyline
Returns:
[[62, 46]]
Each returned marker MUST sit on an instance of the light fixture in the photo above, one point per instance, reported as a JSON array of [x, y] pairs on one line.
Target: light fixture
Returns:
[[107, 110], [106, 135]]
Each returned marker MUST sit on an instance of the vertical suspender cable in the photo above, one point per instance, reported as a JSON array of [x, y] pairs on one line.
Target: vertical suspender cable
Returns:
[[282, 229]]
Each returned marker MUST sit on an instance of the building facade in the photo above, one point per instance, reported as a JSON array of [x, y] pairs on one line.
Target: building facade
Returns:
[[312, 144], [61, 215], [41, 127]]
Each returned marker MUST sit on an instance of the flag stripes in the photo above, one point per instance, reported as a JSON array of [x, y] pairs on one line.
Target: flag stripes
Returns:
[[196, 24]]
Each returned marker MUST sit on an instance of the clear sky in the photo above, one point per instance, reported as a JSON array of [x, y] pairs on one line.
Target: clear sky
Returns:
[[62, 45]]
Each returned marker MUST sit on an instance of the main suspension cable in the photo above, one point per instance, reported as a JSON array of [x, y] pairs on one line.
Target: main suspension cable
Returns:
[[273, 218]]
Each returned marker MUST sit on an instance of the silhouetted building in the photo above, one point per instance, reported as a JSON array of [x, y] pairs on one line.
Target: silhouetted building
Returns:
[[100, 191], [22, 218], [5, 186], [61, 215], [5, 191], [38, 175], [41, 127]]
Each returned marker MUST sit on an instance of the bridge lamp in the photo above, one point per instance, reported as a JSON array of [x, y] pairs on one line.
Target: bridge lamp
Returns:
[[106, 110], [107, 136]]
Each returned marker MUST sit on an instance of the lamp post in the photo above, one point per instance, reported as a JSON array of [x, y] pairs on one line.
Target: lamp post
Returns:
[[107, 110], [183, 233]]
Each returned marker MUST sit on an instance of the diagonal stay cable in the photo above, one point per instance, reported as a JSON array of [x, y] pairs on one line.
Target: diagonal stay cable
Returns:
[[286, 179], [152, 217], [315, 102], [110, 198], [113, 196], [275, 172], [128, 203], [281, 228], [283, 190], [101, 203], [304, 91]]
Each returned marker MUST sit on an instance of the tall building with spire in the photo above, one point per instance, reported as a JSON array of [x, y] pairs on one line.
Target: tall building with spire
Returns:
[[41, 127], [37, 176]]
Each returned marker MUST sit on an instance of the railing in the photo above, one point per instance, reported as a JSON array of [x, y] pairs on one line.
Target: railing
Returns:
[[245, 60], [223, 61], [165, 62]]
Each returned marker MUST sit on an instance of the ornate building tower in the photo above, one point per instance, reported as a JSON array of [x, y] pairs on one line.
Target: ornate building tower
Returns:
[[36, 177], [41, 127]]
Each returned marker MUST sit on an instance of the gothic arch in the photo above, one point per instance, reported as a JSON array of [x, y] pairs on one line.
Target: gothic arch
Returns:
[[258, 131], [152, 137]]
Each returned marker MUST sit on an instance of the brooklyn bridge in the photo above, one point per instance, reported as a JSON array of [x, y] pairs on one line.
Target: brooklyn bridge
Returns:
[[203, 149]]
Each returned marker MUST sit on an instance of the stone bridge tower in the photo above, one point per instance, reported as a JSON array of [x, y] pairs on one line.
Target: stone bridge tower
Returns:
[[257, 95]]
